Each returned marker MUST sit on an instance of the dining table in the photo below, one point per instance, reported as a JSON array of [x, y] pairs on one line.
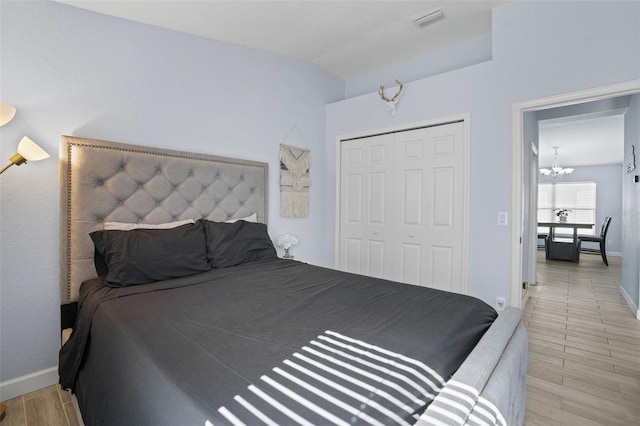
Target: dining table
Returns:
[[563, 248]]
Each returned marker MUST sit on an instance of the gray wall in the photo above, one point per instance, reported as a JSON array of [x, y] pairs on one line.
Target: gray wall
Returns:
[[75, 72], [460, 55], [631, 208], [569, 55]]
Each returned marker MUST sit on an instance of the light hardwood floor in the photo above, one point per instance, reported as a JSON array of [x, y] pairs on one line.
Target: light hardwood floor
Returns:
[[50, 406], [584, 348]]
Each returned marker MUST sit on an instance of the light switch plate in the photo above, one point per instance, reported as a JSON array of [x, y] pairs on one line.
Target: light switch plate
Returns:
[[503, 218]]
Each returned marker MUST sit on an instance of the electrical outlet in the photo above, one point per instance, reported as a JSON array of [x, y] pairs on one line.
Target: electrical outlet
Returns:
[[609, 243], [501, 303]]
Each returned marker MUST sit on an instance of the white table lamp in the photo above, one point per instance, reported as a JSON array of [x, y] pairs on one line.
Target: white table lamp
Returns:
[[286, 241]]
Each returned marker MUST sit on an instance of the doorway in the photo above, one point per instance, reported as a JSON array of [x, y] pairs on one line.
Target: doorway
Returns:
[[520, 238]]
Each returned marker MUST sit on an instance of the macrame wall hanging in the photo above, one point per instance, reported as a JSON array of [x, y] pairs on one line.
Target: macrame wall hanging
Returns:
[[294, 181]]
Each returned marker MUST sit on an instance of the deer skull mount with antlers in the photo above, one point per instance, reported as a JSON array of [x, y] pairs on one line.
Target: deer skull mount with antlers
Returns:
[[391, 103]]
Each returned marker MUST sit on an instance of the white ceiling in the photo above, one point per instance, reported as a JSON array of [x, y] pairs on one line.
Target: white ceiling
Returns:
[[344, 37], [590, 139]]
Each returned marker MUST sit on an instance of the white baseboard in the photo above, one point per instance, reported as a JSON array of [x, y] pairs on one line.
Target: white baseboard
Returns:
[[632, 305], [29, 383]]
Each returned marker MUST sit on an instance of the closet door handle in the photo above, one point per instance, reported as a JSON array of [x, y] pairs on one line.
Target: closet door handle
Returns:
[[410, 235], [376, 232]]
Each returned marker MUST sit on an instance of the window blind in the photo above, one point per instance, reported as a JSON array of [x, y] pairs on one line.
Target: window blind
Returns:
[[579, 197]]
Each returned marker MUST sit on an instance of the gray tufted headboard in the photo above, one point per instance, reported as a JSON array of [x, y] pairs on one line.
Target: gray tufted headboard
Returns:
[[112, 182]]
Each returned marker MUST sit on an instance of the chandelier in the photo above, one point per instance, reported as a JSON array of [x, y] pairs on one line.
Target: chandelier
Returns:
[[555, 171]]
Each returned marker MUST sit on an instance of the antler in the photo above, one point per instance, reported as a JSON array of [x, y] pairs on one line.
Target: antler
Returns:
[[384, 98]]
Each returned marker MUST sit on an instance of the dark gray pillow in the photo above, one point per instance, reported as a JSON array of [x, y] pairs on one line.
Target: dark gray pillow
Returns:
[[230, 244], [142, 256]]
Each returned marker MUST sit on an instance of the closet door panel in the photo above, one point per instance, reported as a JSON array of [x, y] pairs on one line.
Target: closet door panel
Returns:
[[376, 258], [352, 255], [355, 189], [411, 192], [412, 197], [445, 220], [378, 199], [365, 209], [412, 266], [441, 268], [443, 196]]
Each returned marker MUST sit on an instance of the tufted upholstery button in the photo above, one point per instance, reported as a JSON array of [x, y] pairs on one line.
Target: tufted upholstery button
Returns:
[[120, 202], [158, 204], [140, 186], [158, 171], [174, 218]]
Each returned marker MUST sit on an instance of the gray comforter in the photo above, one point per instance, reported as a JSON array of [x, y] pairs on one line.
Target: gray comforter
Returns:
[[280, 341]]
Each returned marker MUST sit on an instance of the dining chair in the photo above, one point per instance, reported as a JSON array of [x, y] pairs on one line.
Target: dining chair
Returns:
[[601, 240], [545, 243]]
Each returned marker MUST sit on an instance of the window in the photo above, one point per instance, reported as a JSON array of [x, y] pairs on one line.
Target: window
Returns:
[[579, 197]]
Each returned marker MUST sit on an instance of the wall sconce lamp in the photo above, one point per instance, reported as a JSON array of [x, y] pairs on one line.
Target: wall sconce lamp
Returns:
[[28, 150], [6, 113]]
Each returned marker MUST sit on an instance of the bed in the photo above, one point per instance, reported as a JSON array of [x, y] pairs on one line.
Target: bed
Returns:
[[199, 322]]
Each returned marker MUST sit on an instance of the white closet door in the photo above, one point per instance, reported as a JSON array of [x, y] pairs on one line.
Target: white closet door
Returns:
[[402, 201], [411, 206], [366, 206], [445, 212]]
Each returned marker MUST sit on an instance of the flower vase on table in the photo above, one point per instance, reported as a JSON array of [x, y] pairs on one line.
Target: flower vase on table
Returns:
[[562, 214]]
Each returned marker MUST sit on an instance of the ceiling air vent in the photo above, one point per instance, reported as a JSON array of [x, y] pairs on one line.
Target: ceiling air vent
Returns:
[[429, 18]]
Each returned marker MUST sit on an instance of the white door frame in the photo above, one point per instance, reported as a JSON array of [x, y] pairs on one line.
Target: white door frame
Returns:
[[466, 117], [533, 217], [518, 109]]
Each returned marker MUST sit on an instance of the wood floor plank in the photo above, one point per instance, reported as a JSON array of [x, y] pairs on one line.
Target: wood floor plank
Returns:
[[631, 372], [553, 415], [45, 409], [548, 359], [70, 412], [14, 414], [577, 397], [619, 398], [624, 381], [595, 356], [595, 413], [544, 374], [534, 419], [543, 397], [577, 374]]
